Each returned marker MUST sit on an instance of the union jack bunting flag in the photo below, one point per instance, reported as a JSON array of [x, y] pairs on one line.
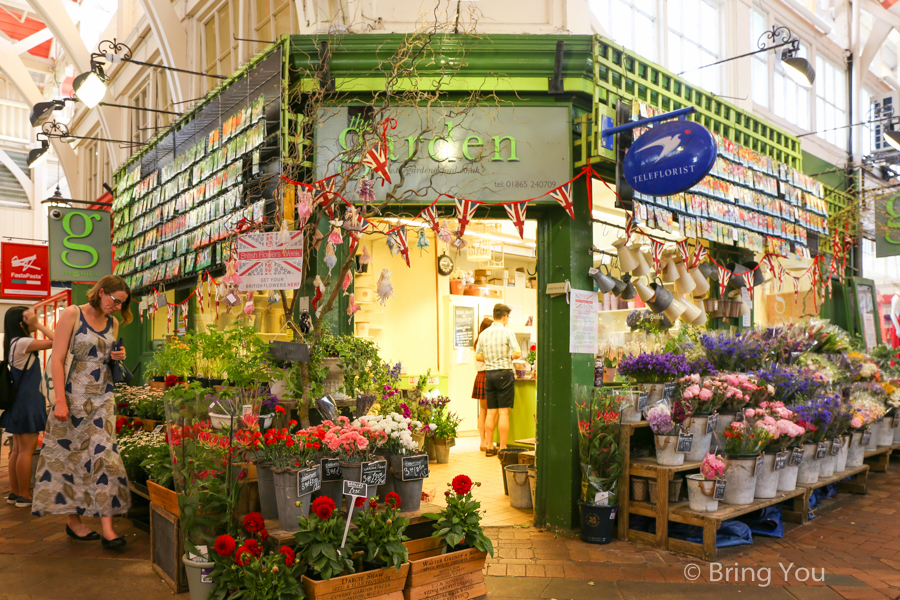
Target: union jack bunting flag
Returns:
[[657, 248], [516, 212], [683, 249], [748, 281], [700, 253], [325, 195], [430, 216], [465, 212], [563, 195], [724, 277], [402, 243], [629, 226], [377, 159]]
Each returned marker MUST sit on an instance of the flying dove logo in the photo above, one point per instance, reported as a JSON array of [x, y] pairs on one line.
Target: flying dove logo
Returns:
[[669, 158]]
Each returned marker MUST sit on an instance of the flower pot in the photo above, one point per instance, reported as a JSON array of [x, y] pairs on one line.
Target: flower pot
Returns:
[[665, 451], [724, 421], [266, 481], [856, 452], [841, 463], [654, 391], [419, 438], [219, 421], [265, 421], [809, 467], [410, 492], [380, 583], [697, 425], [767, 478], [442, 450], [199, 576], [597, 523], [674, 490], [886, 432], [456, 287], [286, 498], [609, 374], [638, 489], [429, 449], [353, 472], [873, 439], [827, 463], [518, 486], [700, 493], [628, 409], [787, 477], [741, 479]]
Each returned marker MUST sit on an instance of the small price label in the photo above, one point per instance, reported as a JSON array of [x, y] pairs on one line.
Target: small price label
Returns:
[[719, 492], [669, 391], [643, 401], [739, 416], [374, 473], [246, 410], [601, 498], [821, 450], [331, 469], [414, 467], [355, 489], [757, 467], [308, 481], [781, 460], [836, 447], [796, 457], [158, 428], [712, 423], [685, 442], [867, 437]]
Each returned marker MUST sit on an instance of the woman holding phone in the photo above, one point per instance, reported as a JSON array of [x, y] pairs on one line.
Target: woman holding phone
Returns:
[[80, 472]]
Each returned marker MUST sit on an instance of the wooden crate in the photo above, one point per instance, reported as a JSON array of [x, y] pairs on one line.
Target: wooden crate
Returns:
[[453, 576], [383, 584], [163, 498], [879, 460], [423, 548], [527, 458], [167, 548]]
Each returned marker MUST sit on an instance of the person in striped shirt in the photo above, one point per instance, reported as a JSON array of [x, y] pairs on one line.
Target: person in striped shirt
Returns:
[[497, 348]]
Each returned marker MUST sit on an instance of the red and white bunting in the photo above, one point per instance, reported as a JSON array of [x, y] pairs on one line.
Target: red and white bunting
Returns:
[[683, 249], [516, 212], [748, 281], [724, 277], [377, 159], [796, 281], [657, 248], [629, 227], [768, 261], [563, 195], [325, 195], [700, 254], [465, 212], [430, 216], [402, 243]]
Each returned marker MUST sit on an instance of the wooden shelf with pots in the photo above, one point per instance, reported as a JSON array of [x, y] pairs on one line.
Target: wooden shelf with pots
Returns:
[[879, 460]]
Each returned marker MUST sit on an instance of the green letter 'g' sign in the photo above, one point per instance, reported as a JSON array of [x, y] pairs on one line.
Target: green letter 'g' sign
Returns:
[[71, 246]]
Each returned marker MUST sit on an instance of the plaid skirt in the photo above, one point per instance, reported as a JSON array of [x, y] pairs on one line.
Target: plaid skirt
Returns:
[[478, 388]]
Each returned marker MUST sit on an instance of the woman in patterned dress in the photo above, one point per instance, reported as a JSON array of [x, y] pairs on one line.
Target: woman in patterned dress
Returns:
[[80, 471], [487, 445]]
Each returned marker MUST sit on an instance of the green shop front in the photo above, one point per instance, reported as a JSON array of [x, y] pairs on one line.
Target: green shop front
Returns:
[[479, 137]]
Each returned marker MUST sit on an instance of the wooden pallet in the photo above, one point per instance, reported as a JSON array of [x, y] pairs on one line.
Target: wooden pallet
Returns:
[[880, 459], [801, 504]]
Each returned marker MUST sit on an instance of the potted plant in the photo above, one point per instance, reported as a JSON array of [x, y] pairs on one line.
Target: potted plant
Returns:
[[742, 446], [653, 370], [175, 357], [289, 454], [865, 410], [408, 485], [253, 566], [665, 430], [601, 462], [379, 535], [701, 488], [818, 415], [444, 433], [353, 445]]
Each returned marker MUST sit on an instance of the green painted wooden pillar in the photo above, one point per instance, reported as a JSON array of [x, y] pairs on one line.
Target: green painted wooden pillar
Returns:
[[563, 254]]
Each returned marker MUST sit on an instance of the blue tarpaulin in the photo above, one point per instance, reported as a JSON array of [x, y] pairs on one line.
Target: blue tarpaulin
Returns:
[[731, 533]]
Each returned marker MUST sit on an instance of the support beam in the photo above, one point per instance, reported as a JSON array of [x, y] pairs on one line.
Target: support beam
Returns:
[[35, 39], [173, 47], [14, 69], [877, 37]]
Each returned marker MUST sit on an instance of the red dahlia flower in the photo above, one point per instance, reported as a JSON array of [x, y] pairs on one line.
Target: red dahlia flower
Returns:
[[288, 554], [225, 545], [462, 485], [393, 499], [243, 556], [323, 507], [254, 522], [360, 500]]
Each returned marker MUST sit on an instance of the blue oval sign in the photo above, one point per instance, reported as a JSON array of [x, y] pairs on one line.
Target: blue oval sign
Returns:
[[670, 158]]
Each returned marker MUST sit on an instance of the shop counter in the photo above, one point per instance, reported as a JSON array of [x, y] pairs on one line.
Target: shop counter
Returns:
[[522, 416]]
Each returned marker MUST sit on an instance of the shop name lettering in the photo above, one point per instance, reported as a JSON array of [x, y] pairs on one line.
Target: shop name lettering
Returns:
[[440, 148], [894, 222], [73, 247], [666, 173]]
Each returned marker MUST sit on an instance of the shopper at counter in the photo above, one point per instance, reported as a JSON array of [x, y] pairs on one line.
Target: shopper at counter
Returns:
[[497, 347], [478, 390]]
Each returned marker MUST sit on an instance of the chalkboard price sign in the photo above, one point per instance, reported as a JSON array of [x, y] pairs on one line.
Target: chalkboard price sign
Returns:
[[712, 422], [685, 442], [414, 467], [355, 488], [374, 473], [757, 468], [331, 469], [308, 481], [867, 436], [719, 492], [836, 447], [463, 326], [669, 391], [643, 401], [821, 450], [781, 460], [796, 457]]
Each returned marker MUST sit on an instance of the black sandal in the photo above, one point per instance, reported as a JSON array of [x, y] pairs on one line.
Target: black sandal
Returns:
[[90, 537], [112, 544]]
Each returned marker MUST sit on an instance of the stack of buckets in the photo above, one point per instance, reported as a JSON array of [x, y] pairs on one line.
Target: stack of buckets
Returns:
[[519, 480]]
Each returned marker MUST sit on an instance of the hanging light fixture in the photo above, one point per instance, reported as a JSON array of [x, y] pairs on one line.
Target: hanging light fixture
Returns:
[[52, 129], [38, 154], [90, 87]]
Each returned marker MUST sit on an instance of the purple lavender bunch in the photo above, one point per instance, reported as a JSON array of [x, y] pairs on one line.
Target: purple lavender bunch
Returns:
[[729, 352], [791, 384], [649, 368]]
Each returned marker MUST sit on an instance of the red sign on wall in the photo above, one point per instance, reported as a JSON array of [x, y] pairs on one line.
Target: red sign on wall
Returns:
[[24, 271]]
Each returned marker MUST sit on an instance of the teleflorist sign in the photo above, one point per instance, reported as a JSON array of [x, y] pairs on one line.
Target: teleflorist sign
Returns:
[[483, 153], [670, 158], [80, 244]]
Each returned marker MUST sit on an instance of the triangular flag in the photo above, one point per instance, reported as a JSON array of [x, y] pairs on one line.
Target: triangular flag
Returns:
[[629, 226], [748, 281], [377, 159], [430, 216], [657, 248], [516, 212], [700, 254], [400, 236], [724, 277], [465, 212], [325, 195], [796, 288], [563, 195], [683, 249]]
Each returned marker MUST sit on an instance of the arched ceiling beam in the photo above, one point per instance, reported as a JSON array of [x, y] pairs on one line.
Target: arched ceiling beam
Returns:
[[172, 40]]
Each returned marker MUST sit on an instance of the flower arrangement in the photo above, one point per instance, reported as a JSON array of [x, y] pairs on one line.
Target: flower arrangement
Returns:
[[820, 412], [379, 533], [288, 450], [243, 567], [460, 522], [779, 422], [650, 368], [863, 367], [790, 384], [319, 541], [598, 435], [142, 402], [398, 429], [728, 352], [712, 467], [713, 392], [824, 368], [660, 419], [892, 395], [532, 355], [744, 438], [351, 443], [866, 408], [146, 456], [446, 423]]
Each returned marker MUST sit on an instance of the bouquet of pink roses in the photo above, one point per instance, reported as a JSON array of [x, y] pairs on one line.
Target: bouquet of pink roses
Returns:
[[712, 467], [779, 422], [352, 443]]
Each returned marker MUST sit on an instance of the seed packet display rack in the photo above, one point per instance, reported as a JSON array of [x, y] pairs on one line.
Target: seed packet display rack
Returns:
[[664, 511]]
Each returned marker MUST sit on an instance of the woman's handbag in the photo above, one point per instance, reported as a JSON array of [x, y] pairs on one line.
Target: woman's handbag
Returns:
[[120, 373]]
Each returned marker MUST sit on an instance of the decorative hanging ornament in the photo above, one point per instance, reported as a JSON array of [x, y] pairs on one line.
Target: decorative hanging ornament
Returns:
[[365, 258], [748, 281], [354, 242], [200, 297], [284, 235], [430, 216], [724, 277], [351, 307], [465, 212], [325, 195], [422, 242], [384, 288], [366, 192], [377, 160], [320, 291], [348, 279], [563, 195], [330, 257], [657, 248], [248, 304], [516, 213], [334, 238], [169, 310], [304, 208], [796, 281], [781, 273], [184, 314], [444, 234], [402, 242]]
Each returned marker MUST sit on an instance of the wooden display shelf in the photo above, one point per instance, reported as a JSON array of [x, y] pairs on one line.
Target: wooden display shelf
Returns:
[[680, 512], [854, 487], [881, 458]]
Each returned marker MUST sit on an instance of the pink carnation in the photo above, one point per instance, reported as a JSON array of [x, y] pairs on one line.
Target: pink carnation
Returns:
[[856, 423], [705, 395]]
